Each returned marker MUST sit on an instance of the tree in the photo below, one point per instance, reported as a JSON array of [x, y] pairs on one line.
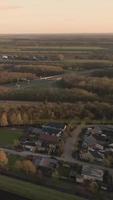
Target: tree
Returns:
[[3, 158], [94, 187], [108, 160], [19, 118], [55, 174], [12, 117], [18, 165], [4, 120], [15, 117], [16, 143], [25, 118], [26, 166]]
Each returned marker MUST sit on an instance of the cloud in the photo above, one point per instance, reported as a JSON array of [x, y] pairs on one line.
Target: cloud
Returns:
[[6, 6], [9, 7]]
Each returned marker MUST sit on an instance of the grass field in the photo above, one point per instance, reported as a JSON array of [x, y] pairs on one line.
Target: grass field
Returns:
[[31, 191], [49, 48], [39, 84], [9, 135]]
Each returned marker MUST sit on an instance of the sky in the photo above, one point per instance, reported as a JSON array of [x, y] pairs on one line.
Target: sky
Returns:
[[56, 16]]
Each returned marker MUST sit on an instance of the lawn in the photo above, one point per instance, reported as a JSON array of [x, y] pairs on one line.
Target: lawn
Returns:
[[32, 191], [9, 135]]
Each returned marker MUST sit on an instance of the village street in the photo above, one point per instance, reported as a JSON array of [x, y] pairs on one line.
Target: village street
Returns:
[[70, 143], [67, 155], [71, 160]]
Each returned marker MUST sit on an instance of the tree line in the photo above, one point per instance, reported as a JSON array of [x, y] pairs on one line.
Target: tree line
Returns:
[[30, 113]]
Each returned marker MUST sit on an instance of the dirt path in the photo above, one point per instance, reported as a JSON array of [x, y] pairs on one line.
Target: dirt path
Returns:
[[71, 143]]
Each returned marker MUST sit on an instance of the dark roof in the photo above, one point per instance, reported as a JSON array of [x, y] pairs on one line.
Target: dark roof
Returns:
[[48, 162], [90, 140], [45, 162], [50, 130], [100, 137], [92, 171], [96, 154], [35, 130], [49, 139], [56, 125], [29, 143]]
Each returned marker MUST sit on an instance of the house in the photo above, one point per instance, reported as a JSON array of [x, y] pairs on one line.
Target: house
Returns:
[[91, 155], [79, 179], [111, 145], [46, 165], [59, 126], [4, 57], [29, 146], [49, 139], [89, 141], [92, 173], [86, 156], [101, 138], [97, 156], [34, 130], [98, 147], [50, 143], [96, 130], [52, 131]]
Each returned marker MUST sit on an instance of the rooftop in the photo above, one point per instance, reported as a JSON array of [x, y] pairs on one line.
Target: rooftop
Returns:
[[59, 126], [90, 140], [46, 162], [93, 172], [49, 138], [51, 130]]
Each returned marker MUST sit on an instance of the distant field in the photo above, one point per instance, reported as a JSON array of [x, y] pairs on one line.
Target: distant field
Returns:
[[36, 84], [9, 135], [31, 191], [88, 61], [76, 48], [54, 47]]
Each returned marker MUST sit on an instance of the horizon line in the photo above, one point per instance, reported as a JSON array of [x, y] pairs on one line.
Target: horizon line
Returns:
[[77, 33]]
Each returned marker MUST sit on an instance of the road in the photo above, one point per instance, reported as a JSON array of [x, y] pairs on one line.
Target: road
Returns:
[[71, 143], [66, 156], [70, 147], [67, 159]]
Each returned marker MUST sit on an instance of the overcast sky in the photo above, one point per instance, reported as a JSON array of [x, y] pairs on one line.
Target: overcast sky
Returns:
[[56, 16]]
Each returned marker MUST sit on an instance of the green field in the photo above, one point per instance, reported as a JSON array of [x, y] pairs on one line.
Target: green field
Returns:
[[9, 135], [34, 192], [39, 84]]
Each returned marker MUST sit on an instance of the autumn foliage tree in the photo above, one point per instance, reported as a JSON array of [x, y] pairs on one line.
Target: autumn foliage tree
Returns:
[[26, 166], [3, 159], [4, 119]]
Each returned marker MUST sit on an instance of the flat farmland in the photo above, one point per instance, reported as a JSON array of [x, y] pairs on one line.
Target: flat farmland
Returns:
[[82, 65], [9, 135]]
